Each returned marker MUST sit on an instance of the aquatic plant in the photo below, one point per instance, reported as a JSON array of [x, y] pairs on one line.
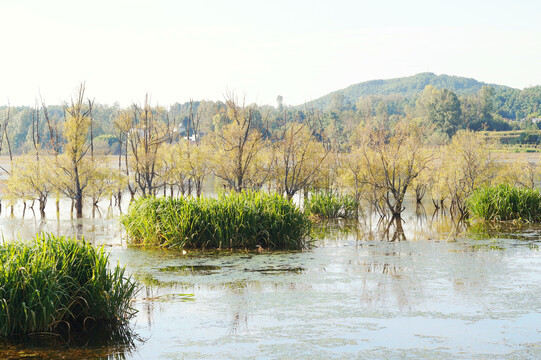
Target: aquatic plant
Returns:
[[505, 202], [329, 205], [243, 220], [51, 280]]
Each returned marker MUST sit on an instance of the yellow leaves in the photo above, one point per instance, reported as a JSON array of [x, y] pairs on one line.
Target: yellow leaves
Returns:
[[183, 160], [198, 162], [123, 121], [461, 167], [76, 128], [29, 179], [299, 159], [236, 148], [518, 173], [385, 163], [102, 182]]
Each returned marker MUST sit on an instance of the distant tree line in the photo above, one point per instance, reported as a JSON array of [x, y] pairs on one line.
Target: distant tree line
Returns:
[[492, 108], [378, 148]]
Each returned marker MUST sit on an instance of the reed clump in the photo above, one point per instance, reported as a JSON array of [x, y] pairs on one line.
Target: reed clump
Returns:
[[329, 205], [505, 202], [55, 282], [243, 220]]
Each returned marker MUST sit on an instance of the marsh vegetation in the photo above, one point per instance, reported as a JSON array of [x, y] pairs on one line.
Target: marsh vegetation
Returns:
[[245, 220], [275, 169], [52, 284]]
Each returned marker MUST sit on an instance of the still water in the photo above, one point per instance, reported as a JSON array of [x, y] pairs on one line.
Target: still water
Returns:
[[435, 292]]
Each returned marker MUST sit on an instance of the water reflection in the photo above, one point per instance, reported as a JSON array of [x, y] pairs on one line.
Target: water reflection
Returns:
[[96, 342], [446, 288], [375, 292]]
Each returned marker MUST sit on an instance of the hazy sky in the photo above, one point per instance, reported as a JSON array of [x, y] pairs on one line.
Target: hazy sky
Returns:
[[301, 49]]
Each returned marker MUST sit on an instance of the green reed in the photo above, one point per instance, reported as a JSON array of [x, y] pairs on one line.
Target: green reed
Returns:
[[329, 205], [242, 220], [51, 281], [505, 202]]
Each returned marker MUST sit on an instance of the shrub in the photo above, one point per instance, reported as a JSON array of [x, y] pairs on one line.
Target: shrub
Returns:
[[505, 202], [331, 206], [233, 220], [53, 280]]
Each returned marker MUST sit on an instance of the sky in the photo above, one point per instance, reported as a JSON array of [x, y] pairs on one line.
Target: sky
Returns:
[[258, 49]]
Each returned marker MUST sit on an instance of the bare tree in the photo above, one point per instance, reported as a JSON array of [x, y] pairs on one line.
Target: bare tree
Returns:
[[299, 154], [391, 161], [143, 133], [238, 143], [4, 134]]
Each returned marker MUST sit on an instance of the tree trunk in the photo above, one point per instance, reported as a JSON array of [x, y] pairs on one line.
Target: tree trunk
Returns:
[[42, 203]]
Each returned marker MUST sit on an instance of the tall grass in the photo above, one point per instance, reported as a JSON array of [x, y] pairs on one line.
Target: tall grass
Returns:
[[233, 220], [329, 205], [53, 280], [505, 202]]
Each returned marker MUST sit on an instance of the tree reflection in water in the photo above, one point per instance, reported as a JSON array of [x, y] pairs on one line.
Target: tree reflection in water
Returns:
[[96, 342]]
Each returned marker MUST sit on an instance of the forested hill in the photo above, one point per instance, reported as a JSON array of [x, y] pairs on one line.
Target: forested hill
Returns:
[[405, 86]]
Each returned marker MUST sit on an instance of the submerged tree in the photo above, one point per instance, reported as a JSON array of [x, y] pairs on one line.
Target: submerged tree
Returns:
[[299, 155], [31, 179], [237, 144], [466, 166], [30, 176], [391, 161], [74, 168], [143, 131]]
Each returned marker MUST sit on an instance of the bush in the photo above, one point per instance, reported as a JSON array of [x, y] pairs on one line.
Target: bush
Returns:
[[331, 206], [52, 280], [233, 220], [505, 202]]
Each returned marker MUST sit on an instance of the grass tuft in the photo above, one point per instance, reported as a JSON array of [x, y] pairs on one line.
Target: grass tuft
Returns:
[[505, 202], [52, 280], [329, 205], [242, 220]]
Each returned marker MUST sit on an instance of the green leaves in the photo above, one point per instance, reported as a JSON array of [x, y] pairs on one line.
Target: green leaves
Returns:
[[505, 202], [52, 279], [331, 206], [234, 220]]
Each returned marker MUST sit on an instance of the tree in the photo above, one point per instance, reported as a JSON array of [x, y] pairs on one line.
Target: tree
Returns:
[[298, 156], [198, 164], [441, 108], [31, 179], [143, 132], [524, 173], [237, 144], [466, 166], [392, 160], [73, 168]]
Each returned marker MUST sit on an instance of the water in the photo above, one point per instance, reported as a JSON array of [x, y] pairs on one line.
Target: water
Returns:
[[443, 293]]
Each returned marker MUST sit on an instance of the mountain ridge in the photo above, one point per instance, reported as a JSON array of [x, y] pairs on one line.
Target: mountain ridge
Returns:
[[405, 86]]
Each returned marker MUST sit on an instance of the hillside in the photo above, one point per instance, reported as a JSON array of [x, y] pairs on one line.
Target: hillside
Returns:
[[405, 86]]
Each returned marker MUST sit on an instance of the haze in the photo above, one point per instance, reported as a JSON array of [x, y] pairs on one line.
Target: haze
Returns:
[[177, 50]]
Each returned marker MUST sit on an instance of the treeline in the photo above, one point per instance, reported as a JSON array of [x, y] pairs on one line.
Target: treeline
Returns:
[[489, 108], [377, 158]]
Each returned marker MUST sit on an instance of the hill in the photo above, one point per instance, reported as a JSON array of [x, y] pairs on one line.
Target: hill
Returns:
[[405, 86]]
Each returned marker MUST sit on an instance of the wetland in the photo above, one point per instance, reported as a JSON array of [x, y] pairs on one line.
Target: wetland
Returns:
[[439, 293]]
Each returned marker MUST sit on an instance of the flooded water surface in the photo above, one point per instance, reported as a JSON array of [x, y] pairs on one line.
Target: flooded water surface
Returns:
[[434, 294]]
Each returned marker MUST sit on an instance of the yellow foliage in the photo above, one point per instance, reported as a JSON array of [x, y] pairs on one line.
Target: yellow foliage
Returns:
[[383, 164], [300, 159], [236, 148], [30, 178], [464, 165]]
